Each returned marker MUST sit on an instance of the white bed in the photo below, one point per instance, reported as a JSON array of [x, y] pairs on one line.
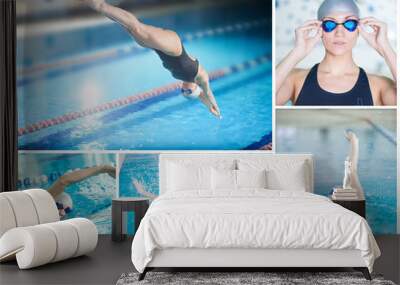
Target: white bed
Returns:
[[200, 223]]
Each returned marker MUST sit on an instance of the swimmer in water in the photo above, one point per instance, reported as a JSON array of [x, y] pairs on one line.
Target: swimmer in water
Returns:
[[58, 187], [337, 80], [169, 47]]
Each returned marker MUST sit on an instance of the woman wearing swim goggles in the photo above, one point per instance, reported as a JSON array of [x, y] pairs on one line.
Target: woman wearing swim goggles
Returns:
[[329, 25], [337, 80]]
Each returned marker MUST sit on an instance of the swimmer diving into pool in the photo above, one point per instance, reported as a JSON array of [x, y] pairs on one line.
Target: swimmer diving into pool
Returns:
[[337, 79], [169, 47], [56, 190]]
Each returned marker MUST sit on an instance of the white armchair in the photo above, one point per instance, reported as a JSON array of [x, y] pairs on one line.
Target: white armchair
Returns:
[[31, 231]]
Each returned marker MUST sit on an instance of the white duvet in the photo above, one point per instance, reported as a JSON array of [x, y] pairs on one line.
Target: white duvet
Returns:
[[250, 219]]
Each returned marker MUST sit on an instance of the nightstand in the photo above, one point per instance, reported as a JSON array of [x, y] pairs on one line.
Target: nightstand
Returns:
[[128, 204], [357, 206]]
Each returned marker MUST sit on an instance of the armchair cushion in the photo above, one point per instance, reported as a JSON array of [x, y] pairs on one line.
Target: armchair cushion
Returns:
[[31, 232], [40, 244]]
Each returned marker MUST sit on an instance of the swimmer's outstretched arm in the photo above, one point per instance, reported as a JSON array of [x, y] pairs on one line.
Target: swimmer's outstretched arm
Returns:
[[207, 97], [75, 176]]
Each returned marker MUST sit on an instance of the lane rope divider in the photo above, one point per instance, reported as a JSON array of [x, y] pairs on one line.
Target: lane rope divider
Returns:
[[132, 99], [383, 131]]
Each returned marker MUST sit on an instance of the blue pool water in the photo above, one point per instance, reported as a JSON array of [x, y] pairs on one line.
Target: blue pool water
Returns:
[[164, 123], [91, 197], [377, 158], [143, 168]]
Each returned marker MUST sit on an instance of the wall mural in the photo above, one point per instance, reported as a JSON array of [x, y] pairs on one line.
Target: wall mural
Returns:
[[138, 175], [291, 14], [91, 86], [82, 185], [323, 133], [86, 87]]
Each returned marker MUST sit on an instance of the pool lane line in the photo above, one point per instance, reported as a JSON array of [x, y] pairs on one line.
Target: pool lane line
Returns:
[[135, 98], [383, 131], [61, 137], [134, 49]]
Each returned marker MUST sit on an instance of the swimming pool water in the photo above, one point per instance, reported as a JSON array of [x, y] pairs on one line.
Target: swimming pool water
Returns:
[[91, 197], [142, 167], [172, 123], [377, 162]]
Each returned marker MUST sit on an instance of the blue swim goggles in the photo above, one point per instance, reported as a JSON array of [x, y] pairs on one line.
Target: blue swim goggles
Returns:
[[329, 25]]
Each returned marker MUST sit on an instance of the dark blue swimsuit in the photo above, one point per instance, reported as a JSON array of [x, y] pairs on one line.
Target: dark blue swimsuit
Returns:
[[182, 67], [313, 95]]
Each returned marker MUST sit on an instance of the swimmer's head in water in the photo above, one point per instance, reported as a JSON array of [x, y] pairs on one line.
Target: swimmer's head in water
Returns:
[[64, 204], [340, 19], [329, 7]]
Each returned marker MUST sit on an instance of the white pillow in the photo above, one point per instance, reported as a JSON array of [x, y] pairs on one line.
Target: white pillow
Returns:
[[292, 180], [251, 178], [223, 179], [282, 174], [188, 177]]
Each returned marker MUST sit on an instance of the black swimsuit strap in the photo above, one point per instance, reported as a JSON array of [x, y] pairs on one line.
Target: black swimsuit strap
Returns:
[[312, 94]]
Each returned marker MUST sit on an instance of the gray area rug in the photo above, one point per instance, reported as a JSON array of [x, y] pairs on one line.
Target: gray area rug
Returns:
[[229, 278]]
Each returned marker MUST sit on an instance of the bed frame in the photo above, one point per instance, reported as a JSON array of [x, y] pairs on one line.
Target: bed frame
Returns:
[[242, 259]]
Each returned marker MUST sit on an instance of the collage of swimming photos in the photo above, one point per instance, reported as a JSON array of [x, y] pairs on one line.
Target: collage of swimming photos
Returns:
[[105, 86]]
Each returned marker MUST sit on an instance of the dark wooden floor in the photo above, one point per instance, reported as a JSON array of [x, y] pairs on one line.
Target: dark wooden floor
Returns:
[[102, 266], [110, 260]]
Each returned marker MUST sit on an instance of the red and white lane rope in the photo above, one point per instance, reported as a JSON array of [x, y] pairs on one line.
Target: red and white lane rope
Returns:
[[138, 97]]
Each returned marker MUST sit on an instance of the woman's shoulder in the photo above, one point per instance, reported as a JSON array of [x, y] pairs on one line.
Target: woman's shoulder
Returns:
[[379, 80], [298, 76], [383, 89], [300, 73]]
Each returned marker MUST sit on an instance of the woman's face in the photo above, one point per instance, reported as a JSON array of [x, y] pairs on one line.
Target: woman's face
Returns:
[[339, 41]]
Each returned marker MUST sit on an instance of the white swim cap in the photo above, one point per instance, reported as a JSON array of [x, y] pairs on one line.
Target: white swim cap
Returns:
[[331, 6], [192, 94]]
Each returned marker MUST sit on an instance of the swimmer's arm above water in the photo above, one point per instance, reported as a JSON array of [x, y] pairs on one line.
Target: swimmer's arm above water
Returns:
[[75, 176], [284, 70]]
